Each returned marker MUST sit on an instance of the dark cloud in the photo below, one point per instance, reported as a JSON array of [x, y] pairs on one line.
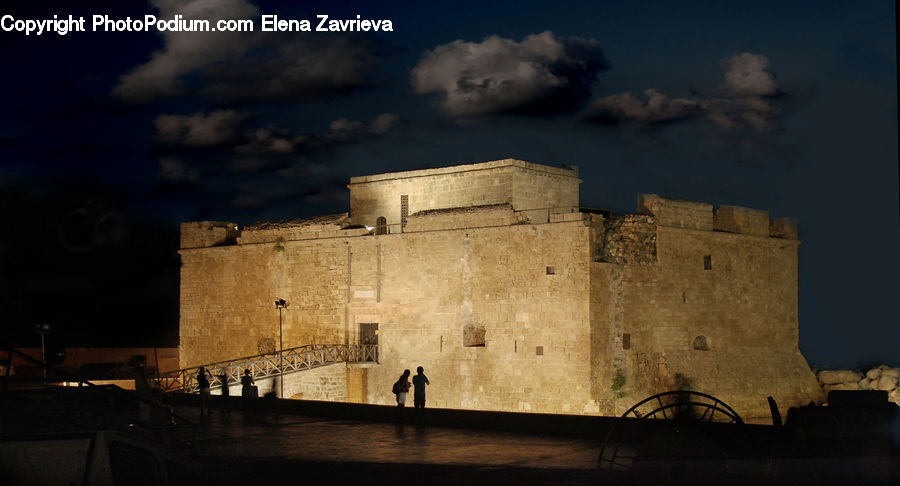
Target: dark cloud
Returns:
[[245, 66], [748, 83], [175, 171], [541, 74], [200, 130], [233, 130]]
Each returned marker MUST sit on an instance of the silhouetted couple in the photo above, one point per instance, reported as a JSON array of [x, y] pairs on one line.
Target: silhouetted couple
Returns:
[[401, 388]]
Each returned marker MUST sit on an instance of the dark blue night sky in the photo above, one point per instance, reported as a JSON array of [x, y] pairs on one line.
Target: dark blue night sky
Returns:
[[109, 140]]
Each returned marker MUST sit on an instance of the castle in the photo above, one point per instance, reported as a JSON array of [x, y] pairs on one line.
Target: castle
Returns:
[[509, 294]]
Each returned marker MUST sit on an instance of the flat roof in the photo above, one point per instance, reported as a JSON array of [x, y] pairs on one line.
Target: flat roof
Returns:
[[494, 164]]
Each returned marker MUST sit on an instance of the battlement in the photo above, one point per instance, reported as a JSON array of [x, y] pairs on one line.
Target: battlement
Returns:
[[745, 221], [677, 213], [203, 234]]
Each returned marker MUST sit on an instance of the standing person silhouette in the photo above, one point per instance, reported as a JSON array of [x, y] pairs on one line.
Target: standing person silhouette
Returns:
[[247, 385], [420, 381], [401, 388], [203, 378]]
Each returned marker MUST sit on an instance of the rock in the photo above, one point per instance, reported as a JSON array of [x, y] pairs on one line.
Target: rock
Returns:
[[887, 382], [894, 396], [864, 384], [831, 377], [895, 372], [840, 386], [873, 374]]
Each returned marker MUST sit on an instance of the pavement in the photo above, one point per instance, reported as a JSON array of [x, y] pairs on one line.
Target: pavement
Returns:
[[246, 447]]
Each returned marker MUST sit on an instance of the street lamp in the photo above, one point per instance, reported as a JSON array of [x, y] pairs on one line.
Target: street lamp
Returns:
[[281, 305], [43, 330]]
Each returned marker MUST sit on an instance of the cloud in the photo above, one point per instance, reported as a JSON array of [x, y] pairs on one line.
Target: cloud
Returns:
[[248, 164], [245, 66], [174, 170], [540, 74], [657, 109], [747, 82], [748, 75], [234, 130], [248, 201], [199, 130], [267, 141], [384, 123]]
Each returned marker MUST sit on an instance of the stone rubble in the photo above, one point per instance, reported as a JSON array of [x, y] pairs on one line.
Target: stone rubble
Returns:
[[881, 377]]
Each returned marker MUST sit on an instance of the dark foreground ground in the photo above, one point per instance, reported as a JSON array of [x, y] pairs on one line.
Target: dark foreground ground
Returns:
[[271, 441], [327, 443], [258, 447]]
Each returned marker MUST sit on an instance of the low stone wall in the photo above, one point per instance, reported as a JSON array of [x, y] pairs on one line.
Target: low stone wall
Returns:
[[881, 377]]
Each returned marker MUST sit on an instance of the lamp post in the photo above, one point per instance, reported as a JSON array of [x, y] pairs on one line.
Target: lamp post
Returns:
[[281, 305], [43, 330]]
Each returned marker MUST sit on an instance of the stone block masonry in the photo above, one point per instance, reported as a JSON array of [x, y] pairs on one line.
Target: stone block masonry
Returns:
[[507, 305]]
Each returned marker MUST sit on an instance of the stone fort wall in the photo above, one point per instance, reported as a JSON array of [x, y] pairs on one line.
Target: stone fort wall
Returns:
[[523, 185], [579, 314], [423, 289]]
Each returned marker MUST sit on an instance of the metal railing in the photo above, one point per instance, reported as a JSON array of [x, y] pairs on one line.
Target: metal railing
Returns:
[[268, 365], [90, 407]]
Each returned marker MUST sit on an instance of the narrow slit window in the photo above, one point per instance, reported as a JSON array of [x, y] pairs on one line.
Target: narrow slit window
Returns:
[[707, 262], [626, 341]]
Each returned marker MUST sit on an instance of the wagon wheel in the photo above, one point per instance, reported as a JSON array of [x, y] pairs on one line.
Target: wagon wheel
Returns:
[[684, 405], [659, 450]]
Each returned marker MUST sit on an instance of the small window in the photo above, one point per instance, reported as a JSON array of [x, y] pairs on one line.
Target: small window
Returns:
[[381, 226], [539, 351], [707, 262], [700, 343], [626, 341], [473, 336], [551, 270]]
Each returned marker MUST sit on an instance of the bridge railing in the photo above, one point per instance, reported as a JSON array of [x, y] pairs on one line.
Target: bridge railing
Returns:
[[268, 365]]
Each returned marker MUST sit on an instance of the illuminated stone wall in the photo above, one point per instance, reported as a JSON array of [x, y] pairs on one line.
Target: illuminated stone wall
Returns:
[[715, 312], [567, 312], [524, 185]]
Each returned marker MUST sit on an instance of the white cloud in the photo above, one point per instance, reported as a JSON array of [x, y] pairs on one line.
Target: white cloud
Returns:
[[244, 66], [186, 52], [748, 75], [747, 81], [498, 75]]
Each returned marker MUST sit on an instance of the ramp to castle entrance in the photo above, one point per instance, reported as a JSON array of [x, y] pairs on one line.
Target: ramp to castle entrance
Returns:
[[267, 367]]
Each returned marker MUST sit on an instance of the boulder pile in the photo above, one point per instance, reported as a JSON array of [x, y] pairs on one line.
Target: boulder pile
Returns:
[[879, 378]]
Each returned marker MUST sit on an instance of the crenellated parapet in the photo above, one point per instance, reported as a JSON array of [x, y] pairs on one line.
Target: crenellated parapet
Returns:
[[204, 234], [679, 213]]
